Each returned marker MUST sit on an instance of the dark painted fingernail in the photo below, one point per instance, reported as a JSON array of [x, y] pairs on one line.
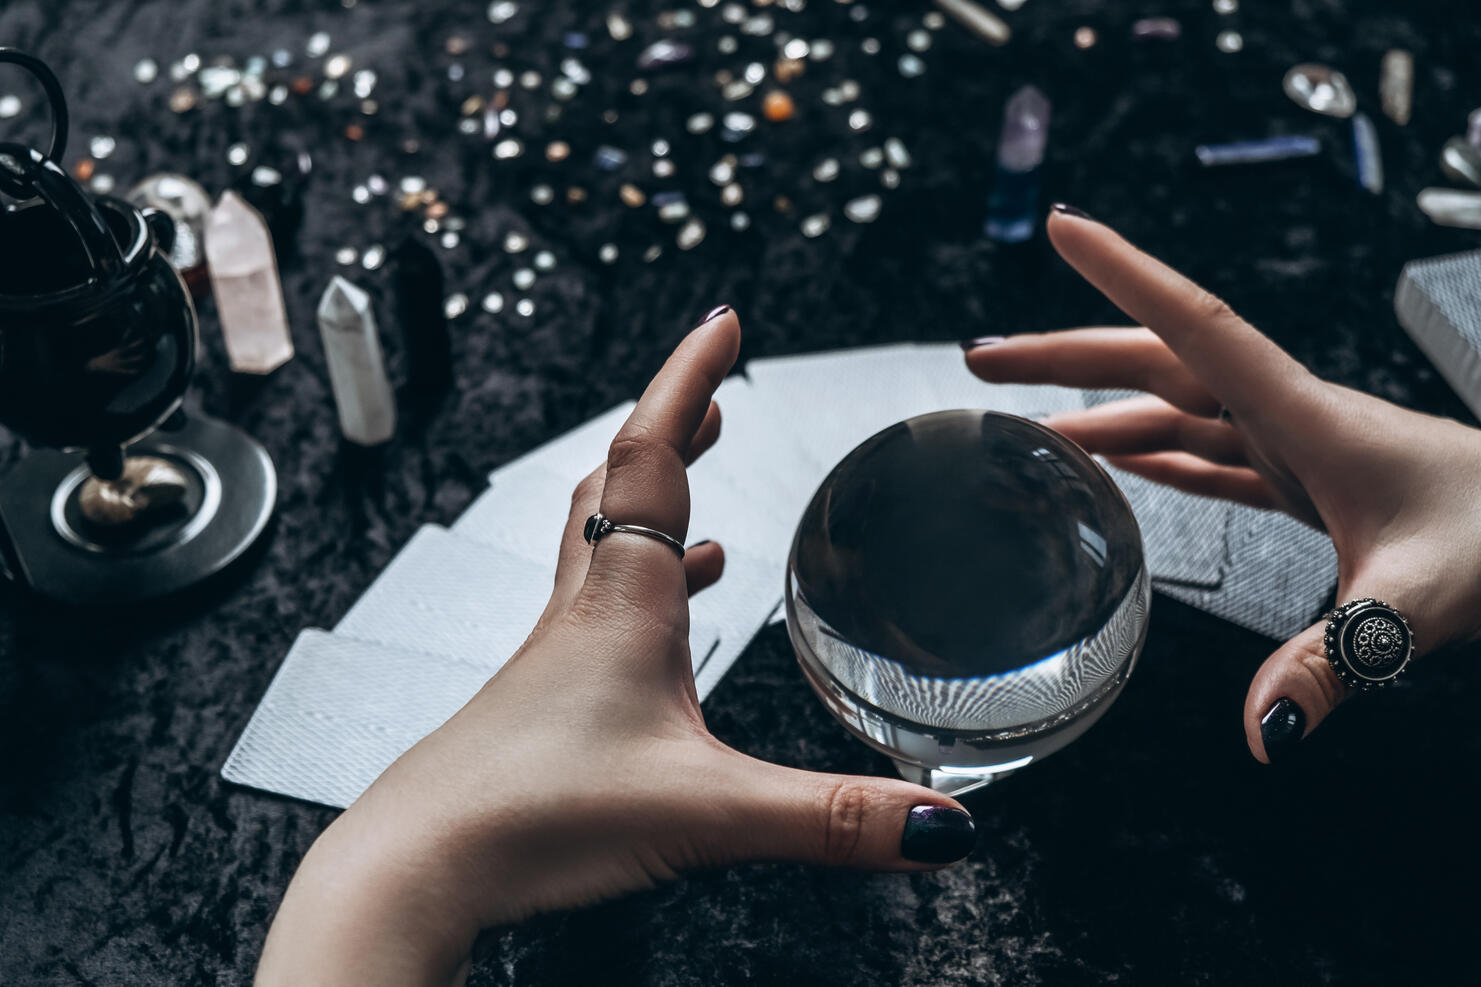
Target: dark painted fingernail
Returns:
[[715, 313], [1069, 210], [1281, 729], [699, 543], [972, 344], [937, 834]]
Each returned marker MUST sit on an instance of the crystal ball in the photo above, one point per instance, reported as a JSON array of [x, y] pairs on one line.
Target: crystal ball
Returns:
[[967, 592]]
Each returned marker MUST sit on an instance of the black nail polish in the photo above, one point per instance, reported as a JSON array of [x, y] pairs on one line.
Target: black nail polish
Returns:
[[1069, 210], [1281, 729], [937, 834], [715, 313], [972, 344], [699, 543]]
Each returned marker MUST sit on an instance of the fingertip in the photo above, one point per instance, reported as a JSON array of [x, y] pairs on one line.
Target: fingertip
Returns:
[[704, 565], [938, 834]]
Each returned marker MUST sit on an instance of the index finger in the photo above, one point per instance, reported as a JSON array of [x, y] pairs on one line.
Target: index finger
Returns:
[[1238, 364], [646, 484]]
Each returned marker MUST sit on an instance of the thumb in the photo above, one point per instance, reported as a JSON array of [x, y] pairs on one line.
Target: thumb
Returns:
[[847, 820], [1292, 692]]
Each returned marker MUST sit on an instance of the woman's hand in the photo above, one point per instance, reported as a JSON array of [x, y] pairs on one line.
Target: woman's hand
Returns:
[[1398, 492], [583, 770]]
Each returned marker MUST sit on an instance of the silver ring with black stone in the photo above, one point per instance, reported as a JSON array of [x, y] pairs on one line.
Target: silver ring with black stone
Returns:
[[1368, 643], [599, 526]]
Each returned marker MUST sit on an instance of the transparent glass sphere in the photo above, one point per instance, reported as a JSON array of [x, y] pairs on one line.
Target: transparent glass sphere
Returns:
[[967, 593]]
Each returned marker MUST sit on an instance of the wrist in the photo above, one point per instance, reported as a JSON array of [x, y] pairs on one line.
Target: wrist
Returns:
[[370, 907]]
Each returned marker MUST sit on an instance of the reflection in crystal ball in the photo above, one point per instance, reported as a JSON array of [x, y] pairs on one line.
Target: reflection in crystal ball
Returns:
[[967, 589]]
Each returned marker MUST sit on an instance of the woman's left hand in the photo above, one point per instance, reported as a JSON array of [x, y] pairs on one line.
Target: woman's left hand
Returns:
[[583, 770]]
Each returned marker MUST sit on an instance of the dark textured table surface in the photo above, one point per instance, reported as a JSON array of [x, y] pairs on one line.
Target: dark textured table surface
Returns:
[[1154, 851]]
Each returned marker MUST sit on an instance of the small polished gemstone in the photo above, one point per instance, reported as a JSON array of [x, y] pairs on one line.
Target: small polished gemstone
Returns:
[[1321, 89], [911, 66], [821, 50], [826, 170], [1257, 151], [146, 71], [664, 168], [1229, 42], [456, 305], [101, 147], [864, 209], [1396, 85], [691, 234], [609, 158], [506, 149], [778, 106], [345, 256], [618, 26], [860, 121], [515, 242], [672, 206], [632, 196], [664, 54], [318, 44], [732, 195], [889, 178], [373, 258], [896, 154], [525, 307], [524, 279], [1366, 153], [870, 46], [722, 172], [699, 123], [544, 261], [1226, 6], [1157, 29], [542, 195], [872, 157], [1452, 207], [918, 40], [1461, 160], [493, 303], [979, 20], [357, 370], [735, 126], [1085, 37], [244, 279], [816, 225], [501, 11]]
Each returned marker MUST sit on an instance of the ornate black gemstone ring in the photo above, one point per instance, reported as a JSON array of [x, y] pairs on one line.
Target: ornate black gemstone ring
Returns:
[[599, 526], [1368, 643]]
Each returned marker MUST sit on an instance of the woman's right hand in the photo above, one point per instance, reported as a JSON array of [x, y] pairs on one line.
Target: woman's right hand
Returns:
[[1396, 490]]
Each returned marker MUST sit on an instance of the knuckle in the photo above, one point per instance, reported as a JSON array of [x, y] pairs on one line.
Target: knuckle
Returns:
[[845, 804], [632, 446], [588, 491], [1312, 660], [1209, 307]]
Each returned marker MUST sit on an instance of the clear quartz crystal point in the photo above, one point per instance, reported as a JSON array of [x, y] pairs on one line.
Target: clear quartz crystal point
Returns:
[[1013, 206], [1366, 153], [1321, 89], [1452, 207], [1461, 161], [244, 278], [1396, 85], [357, 370]]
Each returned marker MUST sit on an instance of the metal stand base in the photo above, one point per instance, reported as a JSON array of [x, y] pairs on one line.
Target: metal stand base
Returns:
[[48, 547]]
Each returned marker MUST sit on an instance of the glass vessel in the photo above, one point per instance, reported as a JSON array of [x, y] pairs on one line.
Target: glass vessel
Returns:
[[967, 593]]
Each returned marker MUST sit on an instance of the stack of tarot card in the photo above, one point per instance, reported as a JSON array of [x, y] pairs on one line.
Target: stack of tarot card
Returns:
[[457, 602]]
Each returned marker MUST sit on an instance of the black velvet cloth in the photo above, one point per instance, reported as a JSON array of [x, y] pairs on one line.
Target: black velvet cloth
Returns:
[[1155, 850]]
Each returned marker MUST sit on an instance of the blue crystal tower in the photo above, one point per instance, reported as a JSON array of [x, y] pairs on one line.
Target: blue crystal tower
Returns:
[[1014, 204]]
